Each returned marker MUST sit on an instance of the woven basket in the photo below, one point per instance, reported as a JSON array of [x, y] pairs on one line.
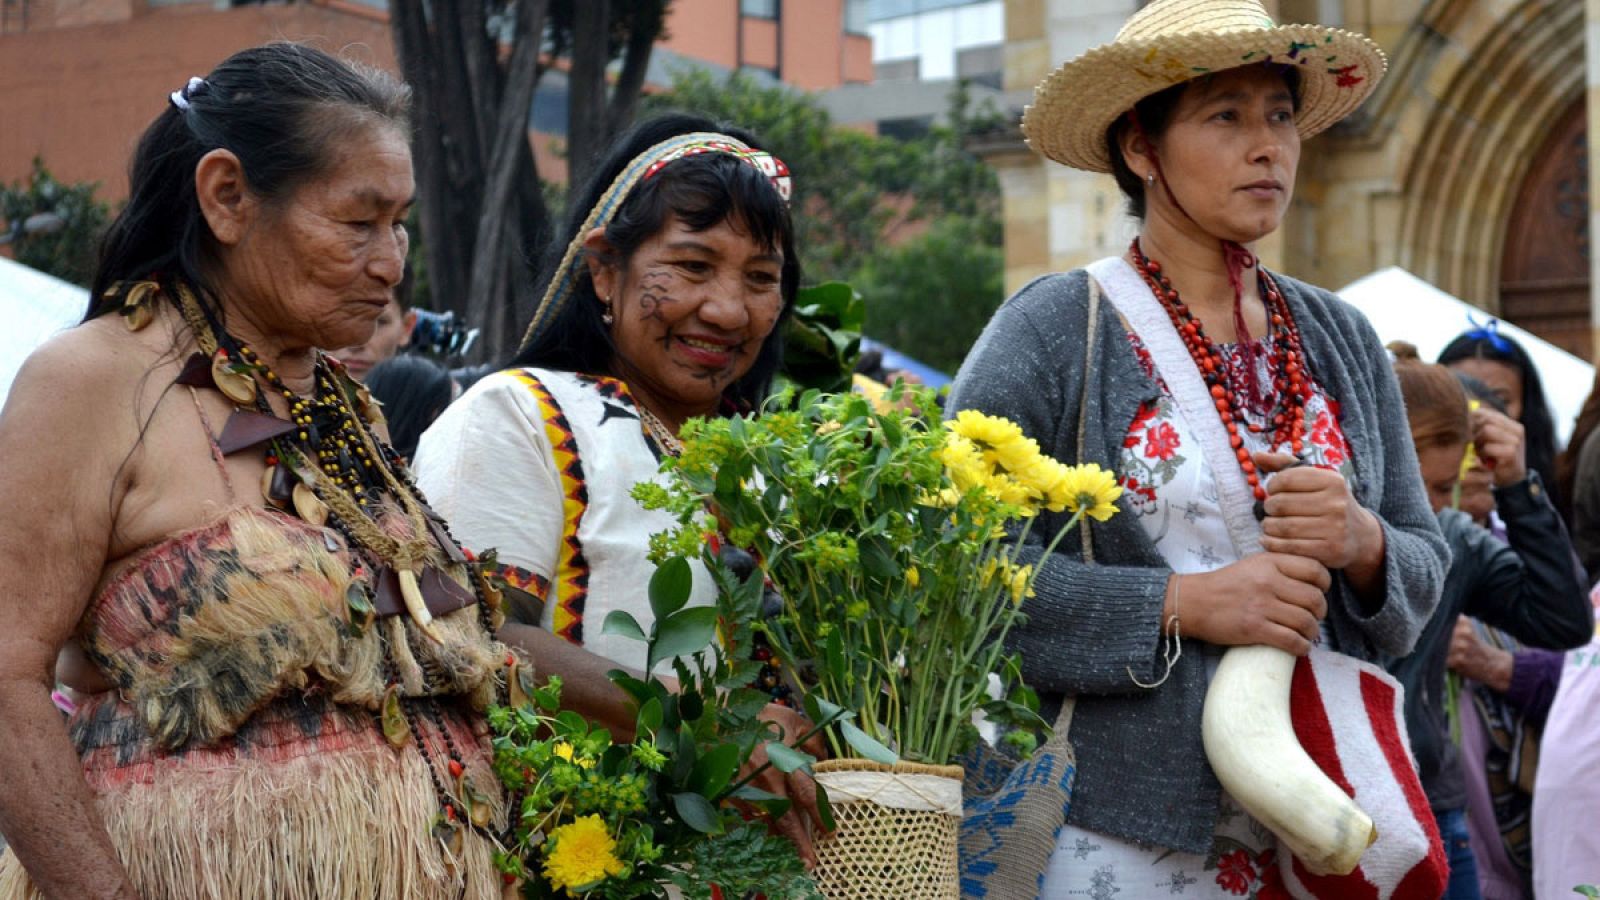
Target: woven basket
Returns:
[[897, 834]]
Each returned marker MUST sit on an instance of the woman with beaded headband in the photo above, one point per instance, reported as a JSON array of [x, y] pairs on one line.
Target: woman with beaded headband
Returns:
[[1271, 490], [281, 654], [663, 300]]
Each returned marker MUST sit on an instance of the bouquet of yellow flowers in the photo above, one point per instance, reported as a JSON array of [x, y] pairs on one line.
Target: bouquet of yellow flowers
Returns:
[[900, 547]]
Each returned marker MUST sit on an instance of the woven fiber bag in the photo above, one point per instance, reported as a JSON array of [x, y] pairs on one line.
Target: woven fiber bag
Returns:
[[897, 831]]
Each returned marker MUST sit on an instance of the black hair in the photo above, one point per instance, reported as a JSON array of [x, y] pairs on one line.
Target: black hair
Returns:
[[279, 109], [702, 191], [1481, 392], [1537, 424], [414, 390], [1155, 114]]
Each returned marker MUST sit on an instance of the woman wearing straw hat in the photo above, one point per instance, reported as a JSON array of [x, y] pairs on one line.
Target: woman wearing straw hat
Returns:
[[663, 302], [1214, 388]]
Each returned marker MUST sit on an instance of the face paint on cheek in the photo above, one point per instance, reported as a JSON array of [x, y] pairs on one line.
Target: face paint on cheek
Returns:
[[653, 295]]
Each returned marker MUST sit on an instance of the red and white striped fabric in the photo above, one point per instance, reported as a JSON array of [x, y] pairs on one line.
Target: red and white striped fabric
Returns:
[[1349, 717]]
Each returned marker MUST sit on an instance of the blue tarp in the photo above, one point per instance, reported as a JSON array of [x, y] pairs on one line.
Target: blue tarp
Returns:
[[894, 359]]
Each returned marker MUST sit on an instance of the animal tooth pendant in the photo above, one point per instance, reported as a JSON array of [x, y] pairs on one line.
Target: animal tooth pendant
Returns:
[[393, 718], [411, 593], [234, 380], [308, 506], [519, 684], [369, 407], [137, 309]]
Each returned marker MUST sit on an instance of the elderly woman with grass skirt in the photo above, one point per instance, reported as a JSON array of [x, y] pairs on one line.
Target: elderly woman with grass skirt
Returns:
[[282, 655]]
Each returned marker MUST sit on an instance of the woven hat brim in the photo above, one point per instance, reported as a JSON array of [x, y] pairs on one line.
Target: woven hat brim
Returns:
[[1075, 104]]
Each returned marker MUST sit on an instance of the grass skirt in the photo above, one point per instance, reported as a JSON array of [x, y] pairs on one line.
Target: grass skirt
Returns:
[[308, 801]]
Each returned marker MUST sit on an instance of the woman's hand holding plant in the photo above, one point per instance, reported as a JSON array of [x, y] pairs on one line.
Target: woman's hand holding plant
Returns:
[[1501, 442]]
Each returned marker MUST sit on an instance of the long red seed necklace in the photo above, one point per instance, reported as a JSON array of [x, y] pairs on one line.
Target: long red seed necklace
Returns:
[[1291, 388]]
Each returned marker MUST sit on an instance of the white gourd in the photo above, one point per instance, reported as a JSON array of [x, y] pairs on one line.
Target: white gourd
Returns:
[[1251, 744]]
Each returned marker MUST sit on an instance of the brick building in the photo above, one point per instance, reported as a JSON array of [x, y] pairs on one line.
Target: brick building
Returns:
[[80, 79]]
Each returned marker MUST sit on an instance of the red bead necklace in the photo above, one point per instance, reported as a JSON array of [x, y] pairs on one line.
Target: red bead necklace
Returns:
[[1291, 386]]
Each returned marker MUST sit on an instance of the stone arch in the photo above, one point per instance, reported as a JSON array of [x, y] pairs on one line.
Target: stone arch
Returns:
[[1513, 79]]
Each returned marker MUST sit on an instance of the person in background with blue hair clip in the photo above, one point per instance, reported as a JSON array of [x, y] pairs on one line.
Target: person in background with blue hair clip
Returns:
[[1501, 363]]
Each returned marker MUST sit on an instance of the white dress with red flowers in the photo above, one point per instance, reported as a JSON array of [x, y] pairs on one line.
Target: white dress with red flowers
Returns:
[[1173, 491]]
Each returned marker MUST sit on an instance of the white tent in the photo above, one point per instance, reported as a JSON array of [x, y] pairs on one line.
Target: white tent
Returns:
[[33, 307], [1403, 307]]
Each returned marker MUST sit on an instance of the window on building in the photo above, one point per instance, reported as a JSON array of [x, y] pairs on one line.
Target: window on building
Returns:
[[878, 10], [857, 15], [982, 65], [896, 70], [759, 9], [908, 129]]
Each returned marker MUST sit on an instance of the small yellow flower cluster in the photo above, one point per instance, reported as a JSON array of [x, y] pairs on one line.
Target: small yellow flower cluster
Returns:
[[993, 453], [582, 853], [564, 750], [1017, 579], [1469, 459]]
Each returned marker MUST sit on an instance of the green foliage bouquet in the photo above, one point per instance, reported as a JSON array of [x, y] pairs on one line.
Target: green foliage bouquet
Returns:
[[892, 539], [597, 817]]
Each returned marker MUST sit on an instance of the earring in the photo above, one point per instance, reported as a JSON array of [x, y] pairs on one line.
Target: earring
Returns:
[[605, 311], [1150, 179]]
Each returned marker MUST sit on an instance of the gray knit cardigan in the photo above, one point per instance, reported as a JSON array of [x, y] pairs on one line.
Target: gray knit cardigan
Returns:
[[1142, 771]]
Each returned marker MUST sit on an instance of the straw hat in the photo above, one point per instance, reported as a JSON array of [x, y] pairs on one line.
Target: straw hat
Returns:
[[1172, 41]]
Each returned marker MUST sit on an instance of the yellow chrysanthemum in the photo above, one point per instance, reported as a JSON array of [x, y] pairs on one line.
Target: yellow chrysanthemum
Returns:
[[1019, 584], [1046, 477], [1009, 490], [963, 460], [1091, 489], [986, 571], [1017, 456], [1469, 459], [913, 577], [990, 430], [581, 854], [563, 750]]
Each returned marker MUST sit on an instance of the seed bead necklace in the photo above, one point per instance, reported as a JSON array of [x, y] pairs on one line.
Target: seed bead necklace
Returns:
[[343, 489], [664, 439], [1291, 385]]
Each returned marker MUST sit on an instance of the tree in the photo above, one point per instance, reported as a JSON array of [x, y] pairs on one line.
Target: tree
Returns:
[[474, 67], [932, 295], [67, 252], [913, 225]]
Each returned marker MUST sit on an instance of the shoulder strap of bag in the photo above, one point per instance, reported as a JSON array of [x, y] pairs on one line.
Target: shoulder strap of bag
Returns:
[[1008, 837]]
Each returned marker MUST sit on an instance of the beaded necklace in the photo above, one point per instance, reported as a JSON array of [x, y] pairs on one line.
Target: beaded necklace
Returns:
[[1286, 359], [669, 443], [330, 470]]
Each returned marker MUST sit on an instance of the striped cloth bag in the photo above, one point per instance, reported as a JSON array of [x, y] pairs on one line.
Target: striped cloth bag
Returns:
[[1349, 718]]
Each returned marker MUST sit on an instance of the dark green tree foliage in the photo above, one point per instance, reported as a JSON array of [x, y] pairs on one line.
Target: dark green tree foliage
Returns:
[[913, 225], [67, 252], [474, 66], [931, 295]]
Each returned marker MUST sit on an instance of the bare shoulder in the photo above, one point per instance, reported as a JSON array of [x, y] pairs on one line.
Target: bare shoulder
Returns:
[[79, 398], [98, 369]]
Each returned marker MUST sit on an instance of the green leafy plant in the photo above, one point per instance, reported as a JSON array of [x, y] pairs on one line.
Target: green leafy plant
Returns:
[[823, 338], [67, 251], [606, 819], [885, 533]]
